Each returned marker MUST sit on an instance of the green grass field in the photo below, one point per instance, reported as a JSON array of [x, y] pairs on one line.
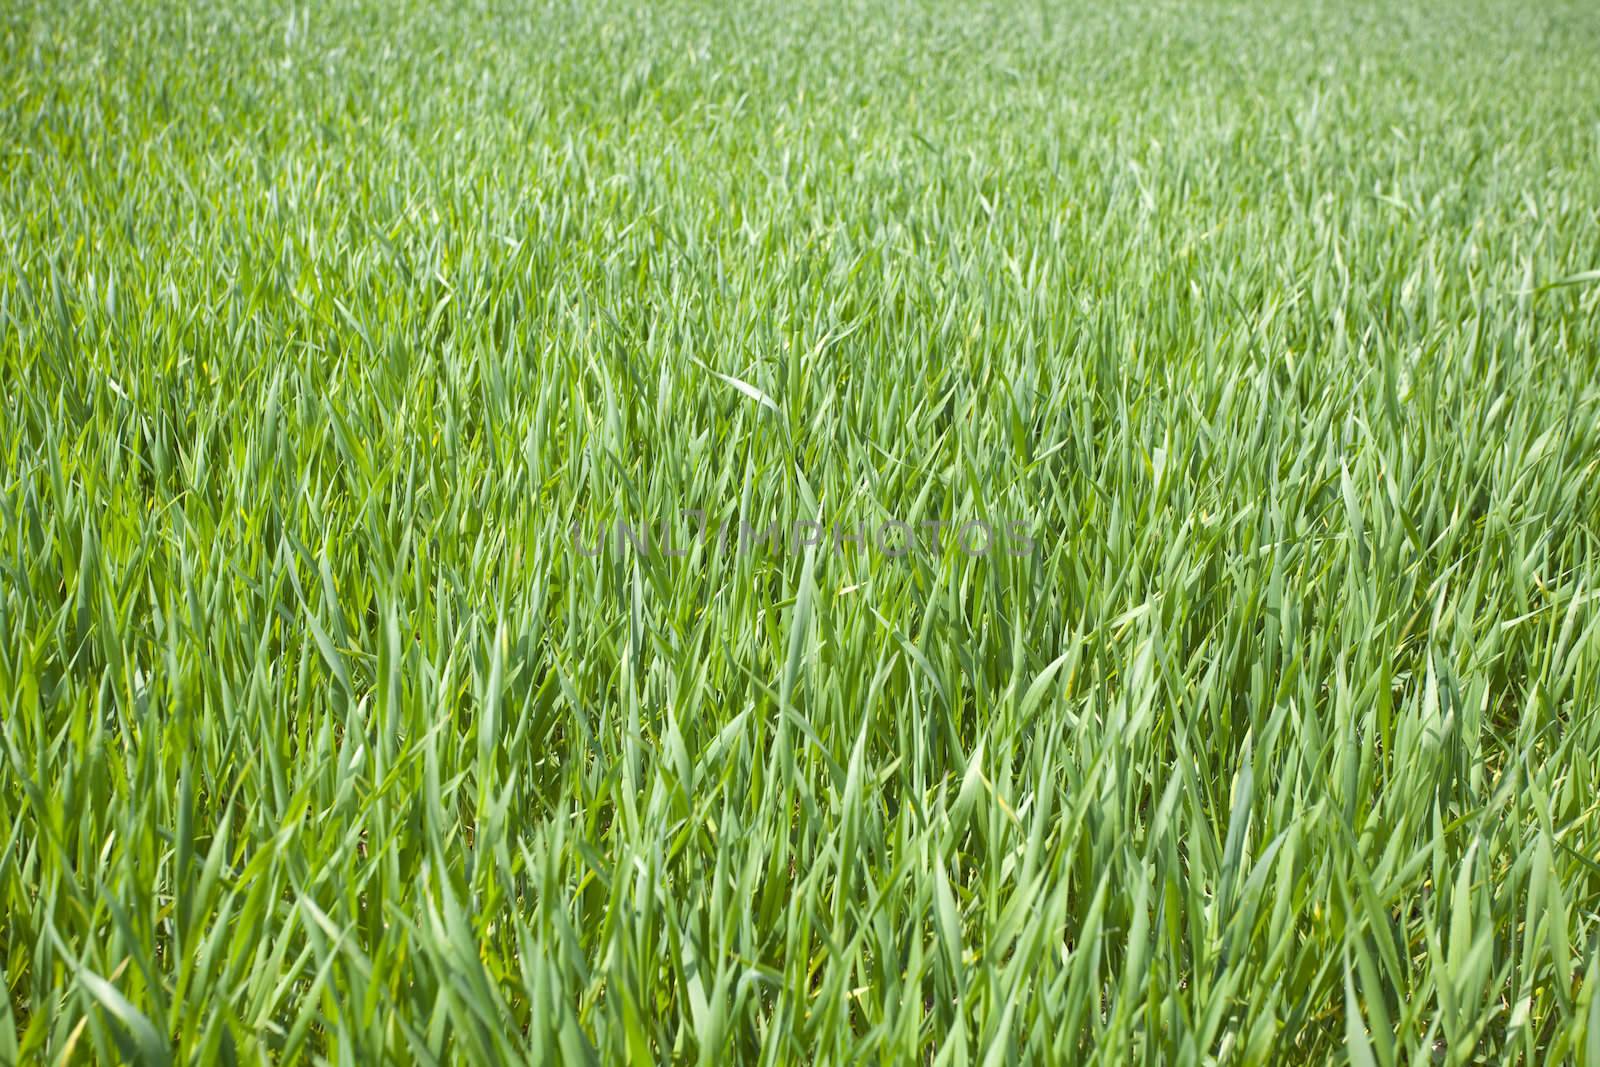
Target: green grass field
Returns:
[[332, 336]]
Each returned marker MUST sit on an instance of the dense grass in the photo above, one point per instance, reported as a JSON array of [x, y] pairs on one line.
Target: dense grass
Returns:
[[320, 327]]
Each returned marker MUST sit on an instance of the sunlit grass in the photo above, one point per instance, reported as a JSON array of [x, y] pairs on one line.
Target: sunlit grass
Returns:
[[321, 328]]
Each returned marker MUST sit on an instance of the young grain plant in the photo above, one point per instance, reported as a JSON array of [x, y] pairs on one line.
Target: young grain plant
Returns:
[[328, 334]]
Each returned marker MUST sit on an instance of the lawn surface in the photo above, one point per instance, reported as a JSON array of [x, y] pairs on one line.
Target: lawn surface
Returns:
[[332, 335]]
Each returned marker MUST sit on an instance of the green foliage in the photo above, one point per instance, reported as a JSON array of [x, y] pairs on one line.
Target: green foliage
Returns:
[[321, 326]]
